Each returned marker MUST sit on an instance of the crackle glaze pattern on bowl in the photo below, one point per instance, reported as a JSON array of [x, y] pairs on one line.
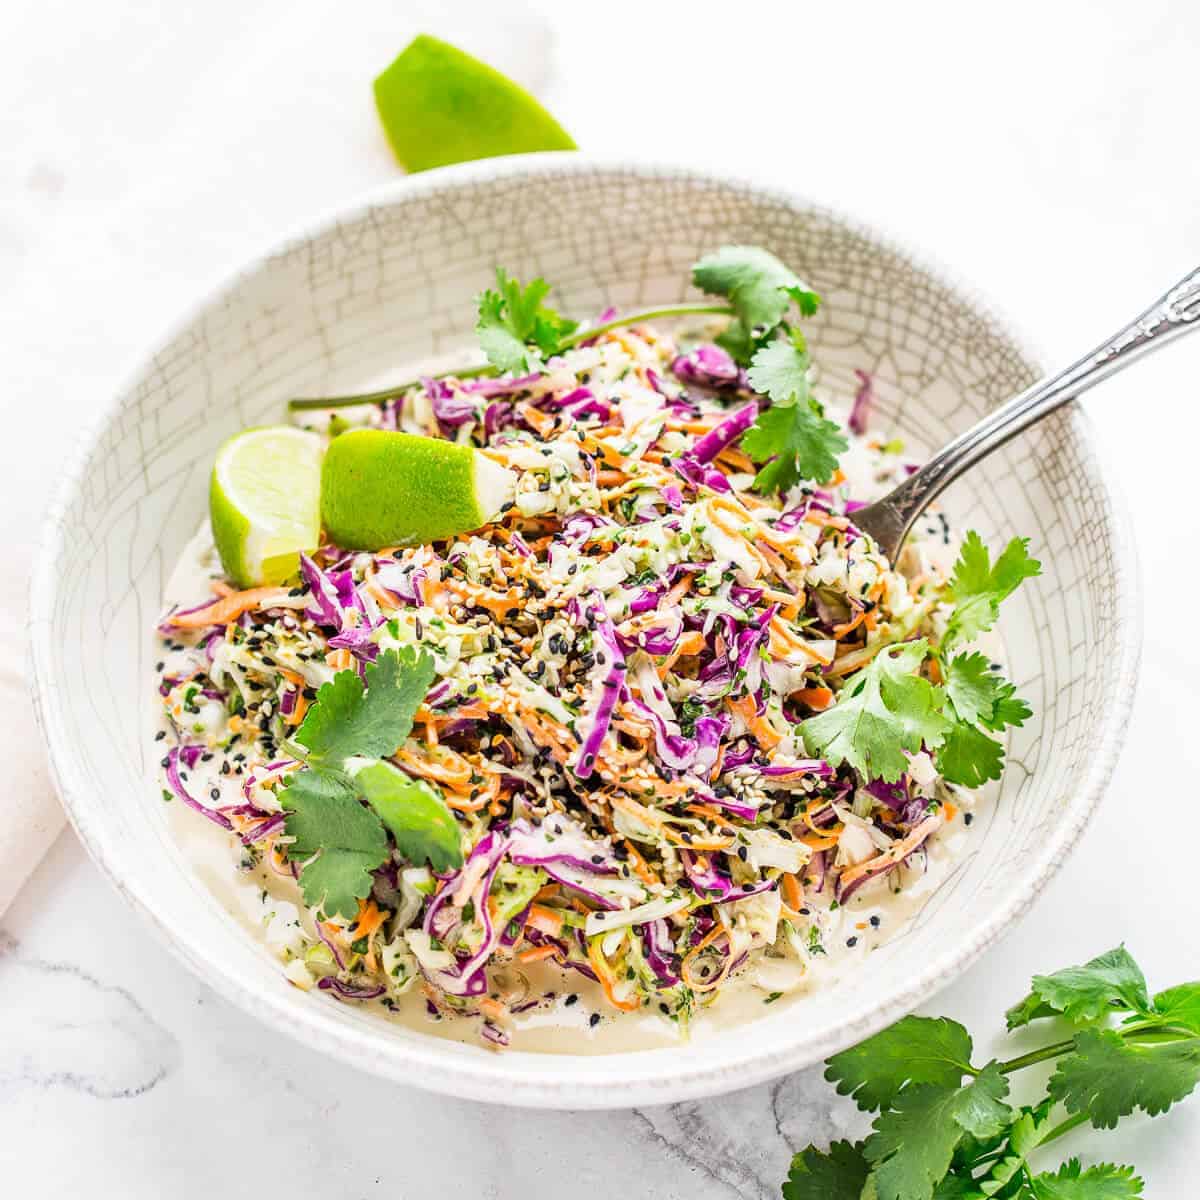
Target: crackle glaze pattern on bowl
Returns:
[[391, 280]]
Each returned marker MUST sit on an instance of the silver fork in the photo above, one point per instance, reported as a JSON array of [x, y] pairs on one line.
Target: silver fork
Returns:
[[889, 519]]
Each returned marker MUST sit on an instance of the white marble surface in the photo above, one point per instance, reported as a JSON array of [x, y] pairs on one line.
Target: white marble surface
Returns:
[[1046, 151]]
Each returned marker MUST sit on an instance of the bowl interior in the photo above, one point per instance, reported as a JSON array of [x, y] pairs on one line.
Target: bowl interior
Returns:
[[393, 281]]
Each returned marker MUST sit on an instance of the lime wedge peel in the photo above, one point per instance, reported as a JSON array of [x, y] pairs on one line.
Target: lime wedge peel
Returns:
[[440, 106], [380, 489], [264, 503]]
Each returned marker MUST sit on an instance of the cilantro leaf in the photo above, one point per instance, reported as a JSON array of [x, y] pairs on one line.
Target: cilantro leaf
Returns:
[[977, 585], [980, 696], [1180, 1006], [914, 1050], [806, 301], [912, 1144], [956, 1187], [347, 721], [838, 1174], [1108, 1077], [755, 283], [1104, 1181], [780, 370], [1110, 981], [1026, 1134], [969, 757], [515, 329], [977, 699], [800, 444], [328, 821], [414, 811], [883, 710]]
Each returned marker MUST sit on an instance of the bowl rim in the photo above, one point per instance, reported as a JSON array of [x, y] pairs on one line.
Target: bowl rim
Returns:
[[427, 1064]]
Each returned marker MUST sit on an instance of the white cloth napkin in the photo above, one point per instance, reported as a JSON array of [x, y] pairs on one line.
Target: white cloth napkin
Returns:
[[197, 150]]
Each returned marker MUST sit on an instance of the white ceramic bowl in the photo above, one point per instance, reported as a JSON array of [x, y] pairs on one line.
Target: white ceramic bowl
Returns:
[[392, 279]]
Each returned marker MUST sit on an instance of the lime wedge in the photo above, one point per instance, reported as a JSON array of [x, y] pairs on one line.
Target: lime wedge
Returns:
[[397, 489], [439, 105], [264, 503]]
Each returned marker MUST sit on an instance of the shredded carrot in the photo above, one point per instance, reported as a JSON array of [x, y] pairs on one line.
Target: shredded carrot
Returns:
[[819, 841], [544, 920], [298, 710], [950, 809], [735, 460], [468, 803], [497, 603], [848, 627], [640, 866], [817, 698], [370, 918], [793, 893], [537, 954], [494, 1010], [759, 726], [449, 768], [689, 643], [339, 660], [604, 974], [228, 608]]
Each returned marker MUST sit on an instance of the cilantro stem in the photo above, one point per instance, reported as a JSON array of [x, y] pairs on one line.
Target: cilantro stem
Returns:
[[645, 314], [630, 318], [390, 393], [1036, 1056], [1065, 1127], [1138, 1031]]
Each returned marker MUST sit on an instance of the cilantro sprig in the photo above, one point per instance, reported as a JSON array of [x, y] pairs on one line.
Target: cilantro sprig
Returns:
[[792, 439], [947, 1129], [516, 330], [344, 801], [889, 709]]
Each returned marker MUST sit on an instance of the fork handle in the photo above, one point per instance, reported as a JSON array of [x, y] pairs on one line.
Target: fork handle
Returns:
[[1173, 315]]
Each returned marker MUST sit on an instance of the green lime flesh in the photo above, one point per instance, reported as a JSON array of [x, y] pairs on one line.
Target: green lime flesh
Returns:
[[264, 503]]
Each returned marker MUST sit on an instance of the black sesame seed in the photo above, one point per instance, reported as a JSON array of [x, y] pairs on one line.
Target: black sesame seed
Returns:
[[875, 922], [571, 999], [158, 737], [594, 1020], [852, 941], [215, 793]]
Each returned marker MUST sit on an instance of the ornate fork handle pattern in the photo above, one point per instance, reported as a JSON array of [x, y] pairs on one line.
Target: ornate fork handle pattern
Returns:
[[1174, 314]]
